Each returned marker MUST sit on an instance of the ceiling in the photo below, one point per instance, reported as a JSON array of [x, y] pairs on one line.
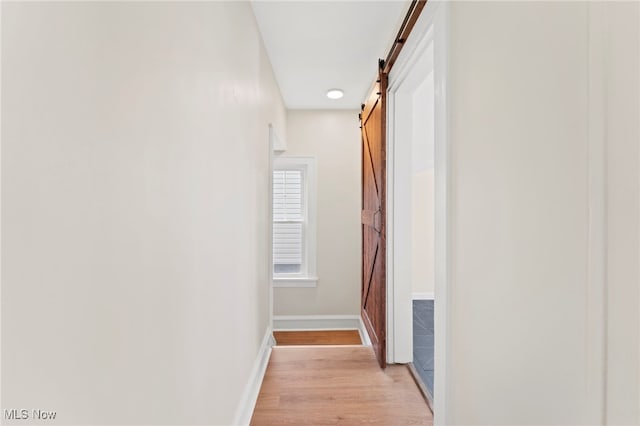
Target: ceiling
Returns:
[[315, 46]]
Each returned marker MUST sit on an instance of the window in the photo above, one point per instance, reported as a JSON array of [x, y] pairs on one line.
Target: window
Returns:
[[288, 221], [294, 228]]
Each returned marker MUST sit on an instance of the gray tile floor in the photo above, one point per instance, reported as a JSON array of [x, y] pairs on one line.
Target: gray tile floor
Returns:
[[423, 341]]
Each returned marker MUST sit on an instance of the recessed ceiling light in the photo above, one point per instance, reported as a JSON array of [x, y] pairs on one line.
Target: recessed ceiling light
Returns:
[[335, 94]]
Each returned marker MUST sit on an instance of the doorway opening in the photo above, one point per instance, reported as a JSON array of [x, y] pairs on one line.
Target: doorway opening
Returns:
[[417, 206], [414, 211], [420, 207]]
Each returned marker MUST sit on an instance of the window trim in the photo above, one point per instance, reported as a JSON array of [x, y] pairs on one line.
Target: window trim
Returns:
[[307, 278]]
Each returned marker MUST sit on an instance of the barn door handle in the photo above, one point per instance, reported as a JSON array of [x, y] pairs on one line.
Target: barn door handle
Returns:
[[377, 221]]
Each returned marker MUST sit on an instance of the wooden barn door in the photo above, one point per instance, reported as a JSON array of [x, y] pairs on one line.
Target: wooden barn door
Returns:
[[373, 302]]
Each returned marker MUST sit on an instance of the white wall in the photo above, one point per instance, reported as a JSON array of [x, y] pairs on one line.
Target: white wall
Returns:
[[519, 190], [134, 209], [521, 294], [422, 189], [422, 233], [333, 138], [623, 192]]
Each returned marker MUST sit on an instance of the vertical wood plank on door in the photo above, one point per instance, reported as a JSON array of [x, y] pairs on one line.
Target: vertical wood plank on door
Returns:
[[373, 300]]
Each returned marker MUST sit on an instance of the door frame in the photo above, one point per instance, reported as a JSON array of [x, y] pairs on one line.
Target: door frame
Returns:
[[273, 143], [431, 31]]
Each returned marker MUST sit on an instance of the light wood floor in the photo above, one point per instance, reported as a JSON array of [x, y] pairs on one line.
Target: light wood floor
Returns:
[[319, 337], [337, 385]]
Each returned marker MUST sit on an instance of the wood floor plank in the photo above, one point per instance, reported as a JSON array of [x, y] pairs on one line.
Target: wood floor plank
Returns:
[[317, 337], [340, 385]]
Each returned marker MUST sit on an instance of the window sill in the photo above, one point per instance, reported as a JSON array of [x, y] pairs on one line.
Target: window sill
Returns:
[[304, 282]]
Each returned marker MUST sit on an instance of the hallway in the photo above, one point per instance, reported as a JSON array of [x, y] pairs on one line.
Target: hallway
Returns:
[[333, 385], [182, 182]]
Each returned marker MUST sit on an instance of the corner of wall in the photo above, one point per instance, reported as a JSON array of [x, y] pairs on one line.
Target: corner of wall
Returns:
[[247, 403]]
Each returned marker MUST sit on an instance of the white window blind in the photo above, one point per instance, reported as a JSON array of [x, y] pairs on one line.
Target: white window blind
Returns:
[[288, 221]]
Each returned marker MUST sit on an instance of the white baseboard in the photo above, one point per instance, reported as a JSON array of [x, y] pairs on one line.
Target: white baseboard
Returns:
[[364, 334], [252, 389], [321, 322], [423, 296]]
